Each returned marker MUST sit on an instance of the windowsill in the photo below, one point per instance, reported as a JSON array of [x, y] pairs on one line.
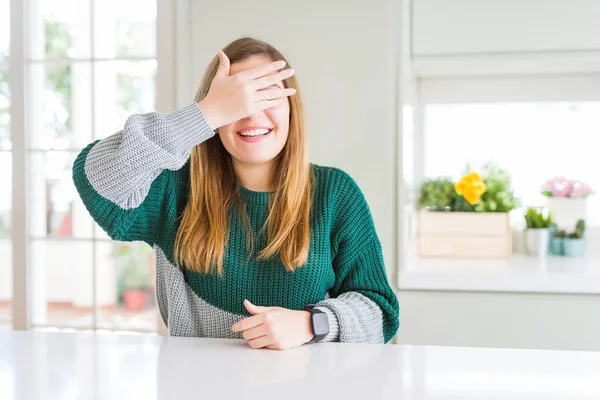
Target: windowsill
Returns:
[[519, 273]]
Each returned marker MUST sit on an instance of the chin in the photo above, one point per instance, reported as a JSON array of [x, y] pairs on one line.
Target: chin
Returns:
[[257, 159]]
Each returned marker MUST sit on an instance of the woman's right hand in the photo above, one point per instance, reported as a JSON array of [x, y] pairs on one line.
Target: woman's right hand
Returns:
[[233, 97]]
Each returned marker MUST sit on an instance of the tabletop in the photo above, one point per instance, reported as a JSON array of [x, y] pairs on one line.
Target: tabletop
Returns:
[[48, 365]]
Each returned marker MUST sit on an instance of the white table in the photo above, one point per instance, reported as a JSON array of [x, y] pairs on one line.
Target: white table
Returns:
[[41, 365]]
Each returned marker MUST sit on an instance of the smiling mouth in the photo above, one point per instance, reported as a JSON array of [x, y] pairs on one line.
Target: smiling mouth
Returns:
[[255, 132]]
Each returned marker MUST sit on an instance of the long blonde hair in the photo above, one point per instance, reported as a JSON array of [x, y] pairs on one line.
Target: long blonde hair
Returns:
[[203, 231]]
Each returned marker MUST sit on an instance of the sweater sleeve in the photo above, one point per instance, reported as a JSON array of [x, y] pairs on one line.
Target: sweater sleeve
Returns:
[[123, 179], [363, 307]]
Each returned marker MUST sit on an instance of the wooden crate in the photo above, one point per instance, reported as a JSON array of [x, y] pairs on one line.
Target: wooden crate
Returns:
[[463, 234]]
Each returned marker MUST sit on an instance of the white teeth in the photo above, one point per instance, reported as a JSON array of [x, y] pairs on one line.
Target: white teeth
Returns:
[[255, 132]]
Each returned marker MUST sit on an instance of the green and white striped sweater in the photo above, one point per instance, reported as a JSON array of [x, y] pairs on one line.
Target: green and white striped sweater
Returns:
[[135, 184]]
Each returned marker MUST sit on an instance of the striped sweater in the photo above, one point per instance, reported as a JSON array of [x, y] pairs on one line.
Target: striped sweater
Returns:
[[135, 184]]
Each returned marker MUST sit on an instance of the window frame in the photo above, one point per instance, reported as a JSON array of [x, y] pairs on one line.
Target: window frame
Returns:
[[20, 61], [509, 87]]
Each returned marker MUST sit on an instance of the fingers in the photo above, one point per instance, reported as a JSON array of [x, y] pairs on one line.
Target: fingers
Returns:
[[224, 64], [260, 342], [266, 104], [272, 94], [255, 332], [252, 309], [262, 70], [248, 323], [267, 81]]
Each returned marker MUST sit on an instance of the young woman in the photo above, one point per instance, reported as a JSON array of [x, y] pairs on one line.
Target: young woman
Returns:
[[251, 240]]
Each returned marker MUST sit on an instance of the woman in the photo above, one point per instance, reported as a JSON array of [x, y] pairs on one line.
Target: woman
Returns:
[[251, 240]]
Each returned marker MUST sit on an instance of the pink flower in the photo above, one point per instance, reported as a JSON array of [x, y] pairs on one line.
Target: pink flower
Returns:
[[561, 191], [560, 186], [553, 183], [581, 189]]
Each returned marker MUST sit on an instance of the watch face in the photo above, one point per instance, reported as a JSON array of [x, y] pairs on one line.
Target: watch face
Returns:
[[320, 324]]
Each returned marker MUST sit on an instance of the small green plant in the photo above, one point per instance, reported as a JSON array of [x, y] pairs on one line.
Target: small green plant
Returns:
[[462, 205], [499, 196], [579, 230], [535, 219], [132, 264], [437, 194], [560, 234]]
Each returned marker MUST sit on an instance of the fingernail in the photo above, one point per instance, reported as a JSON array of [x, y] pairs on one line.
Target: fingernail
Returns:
[[280, 63], [291, 71]]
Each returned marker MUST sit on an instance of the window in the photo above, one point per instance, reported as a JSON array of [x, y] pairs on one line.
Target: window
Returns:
[[5, 171], [535, 127], [534, 141], [90, 64]]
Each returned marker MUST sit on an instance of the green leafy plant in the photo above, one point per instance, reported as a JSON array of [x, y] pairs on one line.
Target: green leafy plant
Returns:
[[440, 194], [536, 219], [579, 230], [132, 264], [437, 194], [462, 205], [499, 196]]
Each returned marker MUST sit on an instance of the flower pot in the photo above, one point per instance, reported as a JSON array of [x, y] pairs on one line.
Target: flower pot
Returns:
[[574, 247], [566, 211], [537, 241], [464, 234], [557, 246], [135, 300]]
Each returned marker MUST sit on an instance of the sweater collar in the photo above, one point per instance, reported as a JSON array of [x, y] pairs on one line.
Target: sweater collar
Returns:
[[250, 196]]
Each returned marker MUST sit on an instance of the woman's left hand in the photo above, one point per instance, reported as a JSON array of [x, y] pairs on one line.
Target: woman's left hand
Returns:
[[275, 328]]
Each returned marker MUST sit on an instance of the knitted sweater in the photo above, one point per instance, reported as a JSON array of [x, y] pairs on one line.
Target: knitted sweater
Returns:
[[135, 184]]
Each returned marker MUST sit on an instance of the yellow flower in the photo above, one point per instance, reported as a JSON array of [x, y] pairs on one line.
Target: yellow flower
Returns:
[[471, 187]]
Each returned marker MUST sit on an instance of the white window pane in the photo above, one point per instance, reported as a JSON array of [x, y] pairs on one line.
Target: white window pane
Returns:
[[60, 29], [5, 241], [125, 28], [60, 106], [533, 141], [125, 277], [56, 208], [5, 143], [4, 31], [5, 193], [61, 283], [122, 88]]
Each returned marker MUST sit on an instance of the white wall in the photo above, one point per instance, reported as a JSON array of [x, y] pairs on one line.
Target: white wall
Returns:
[[444, 27], [511, 50], [346, 54], [490, 37], [514, 320]]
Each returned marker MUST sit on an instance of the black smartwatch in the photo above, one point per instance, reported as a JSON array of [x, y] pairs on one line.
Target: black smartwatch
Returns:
[[319, 323]]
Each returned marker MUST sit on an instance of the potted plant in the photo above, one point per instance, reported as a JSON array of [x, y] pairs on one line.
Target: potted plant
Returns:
[[557, 242], [134, 274], [575, 243], [476, 222], [567, 199], [537, 234]]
